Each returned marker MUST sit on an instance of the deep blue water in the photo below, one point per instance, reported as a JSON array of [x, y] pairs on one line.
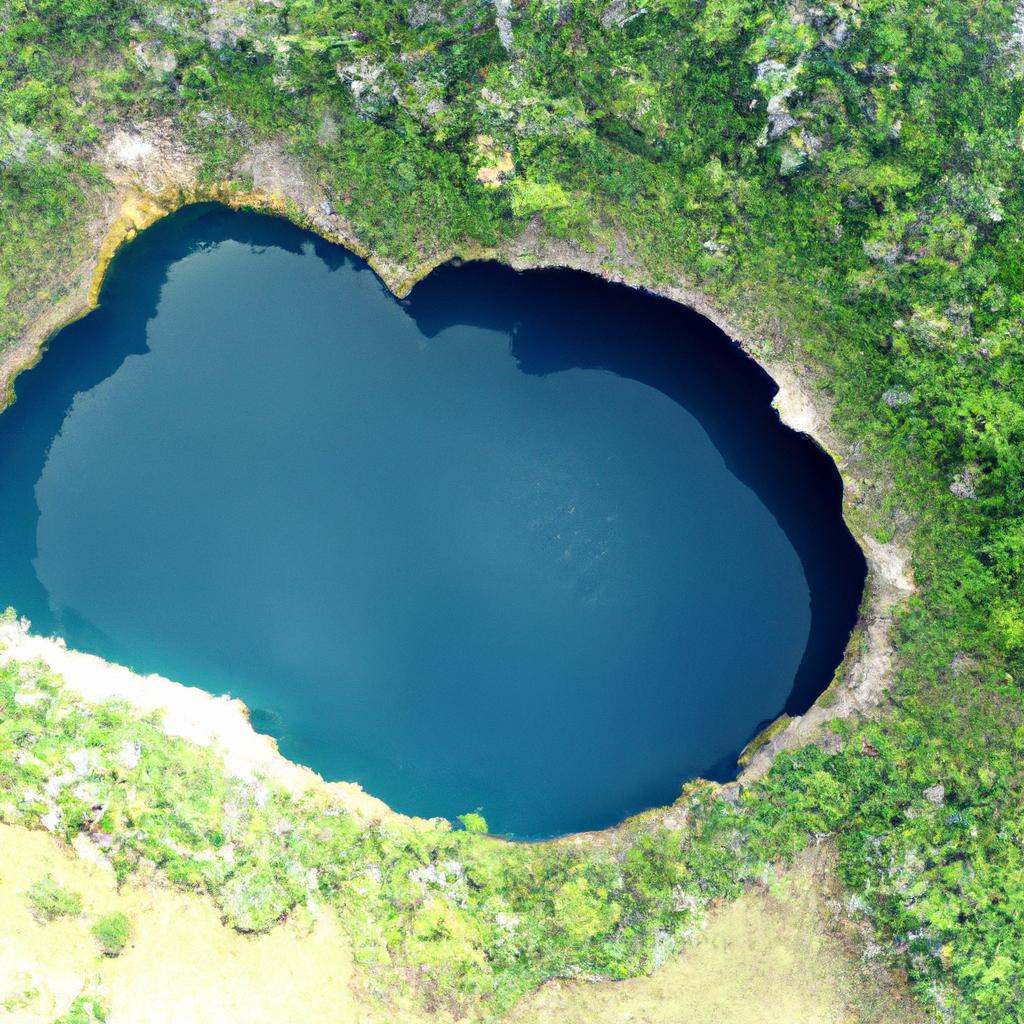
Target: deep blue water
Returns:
[[528, 543]]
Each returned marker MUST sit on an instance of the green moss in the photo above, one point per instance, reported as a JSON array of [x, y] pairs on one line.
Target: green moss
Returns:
[[84, 1010], [474, 822], [762, 739]]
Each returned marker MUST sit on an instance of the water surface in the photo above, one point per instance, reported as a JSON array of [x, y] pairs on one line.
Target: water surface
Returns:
[[532, 544]]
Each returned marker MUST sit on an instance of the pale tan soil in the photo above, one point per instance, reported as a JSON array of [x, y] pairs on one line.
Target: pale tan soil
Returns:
[[182, 965], [778, 955]]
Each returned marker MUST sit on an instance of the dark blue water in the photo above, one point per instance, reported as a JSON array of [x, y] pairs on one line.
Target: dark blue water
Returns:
[[531, 543]]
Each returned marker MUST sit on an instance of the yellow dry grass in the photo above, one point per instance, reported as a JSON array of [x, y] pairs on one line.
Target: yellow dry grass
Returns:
[[182, 965]]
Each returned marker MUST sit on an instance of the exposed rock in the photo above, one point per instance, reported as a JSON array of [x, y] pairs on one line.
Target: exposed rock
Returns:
[[617, 14], [130, 754], [839, 35], [507, 922], [780, 120], [961, 664], [328, 131], [684, 902], [813, 145], [423, 13], [449, 877], [20, 144], [731, 794], [664, 946], [777, 82], [964, 486], [896, 397], [831, 743], [227, 24], [676, 818], [879, 251], [792, 159], [502, 10], [371, 84], [936, 794], [1015, 42], [494, 98], [128, 148], [153, 56]]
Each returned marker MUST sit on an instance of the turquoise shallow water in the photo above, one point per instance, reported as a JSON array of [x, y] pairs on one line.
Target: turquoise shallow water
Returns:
[[531, 544]]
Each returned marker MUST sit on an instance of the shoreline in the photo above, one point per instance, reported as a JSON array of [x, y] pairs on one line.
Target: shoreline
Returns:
[[153, 177], [218, 722]]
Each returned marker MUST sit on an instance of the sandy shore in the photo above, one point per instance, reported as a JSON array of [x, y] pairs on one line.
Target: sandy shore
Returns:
[[193, 714]]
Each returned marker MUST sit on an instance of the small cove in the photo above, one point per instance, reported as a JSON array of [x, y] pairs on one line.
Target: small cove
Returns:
[[528, 543]]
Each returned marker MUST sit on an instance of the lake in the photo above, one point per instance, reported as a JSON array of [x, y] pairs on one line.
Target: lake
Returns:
[[532, 544]]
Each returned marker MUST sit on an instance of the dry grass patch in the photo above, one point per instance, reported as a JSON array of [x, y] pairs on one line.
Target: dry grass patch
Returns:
[[179, 964]]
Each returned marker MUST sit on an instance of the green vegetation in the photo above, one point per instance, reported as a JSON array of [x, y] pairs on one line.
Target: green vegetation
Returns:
[[49, 901], [843, 177], [474, 822], [84, 1010], [112, 932]]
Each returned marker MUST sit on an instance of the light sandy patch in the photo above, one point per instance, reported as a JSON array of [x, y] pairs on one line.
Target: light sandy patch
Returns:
[[778, 956], [128, 149], [181, 964], [188, 712], [498, 165]]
